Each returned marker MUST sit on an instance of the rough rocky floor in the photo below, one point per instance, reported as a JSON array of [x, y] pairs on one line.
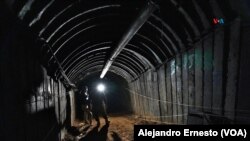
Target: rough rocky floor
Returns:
[[120, 129]]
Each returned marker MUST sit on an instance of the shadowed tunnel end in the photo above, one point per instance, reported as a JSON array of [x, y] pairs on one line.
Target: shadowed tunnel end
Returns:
[[116, 90]]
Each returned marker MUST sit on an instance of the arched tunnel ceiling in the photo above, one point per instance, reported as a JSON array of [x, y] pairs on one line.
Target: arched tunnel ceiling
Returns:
[[80, 35]]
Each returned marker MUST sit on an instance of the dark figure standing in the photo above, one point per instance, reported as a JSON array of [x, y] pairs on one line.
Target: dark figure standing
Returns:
[[87, 106], [99, 106]]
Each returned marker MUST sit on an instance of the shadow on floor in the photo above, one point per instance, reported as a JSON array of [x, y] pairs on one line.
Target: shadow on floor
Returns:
[[115, 136], [73, 131], [102, 135]]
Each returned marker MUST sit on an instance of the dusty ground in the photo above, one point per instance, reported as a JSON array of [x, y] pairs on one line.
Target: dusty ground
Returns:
[[120, 129]]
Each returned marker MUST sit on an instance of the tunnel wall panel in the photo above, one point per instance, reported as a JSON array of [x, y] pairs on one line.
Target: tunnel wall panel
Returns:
[[218, 72], [138, 102], [174, 94], [169, 93], [232, 73], [162, 93], [156, 95], [149, 93], [179, 88], [199, 76], [49, 99], [144, 99], [242, 105], [191, 82], [133, 98], [133, 92], [208, 69], [185, 85], [200, 84], [151, 97]]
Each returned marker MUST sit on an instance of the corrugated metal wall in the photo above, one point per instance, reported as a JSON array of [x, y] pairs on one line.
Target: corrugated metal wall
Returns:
[[46, 111], [201, 80], [32, 104]]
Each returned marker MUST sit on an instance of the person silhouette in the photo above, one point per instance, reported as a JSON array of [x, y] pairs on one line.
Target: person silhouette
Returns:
[[99, 101], [87, 106]]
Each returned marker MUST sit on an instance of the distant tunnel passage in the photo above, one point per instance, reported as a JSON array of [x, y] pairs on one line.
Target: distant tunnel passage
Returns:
[[165, 61]]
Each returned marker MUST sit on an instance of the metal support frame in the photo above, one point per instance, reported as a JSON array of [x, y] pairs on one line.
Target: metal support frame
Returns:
[[59, 65], [129, 34]]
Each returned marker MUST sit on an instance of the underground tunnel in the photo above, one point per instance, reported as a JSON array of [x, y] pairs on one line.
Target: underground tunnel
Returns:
[[180, 62]]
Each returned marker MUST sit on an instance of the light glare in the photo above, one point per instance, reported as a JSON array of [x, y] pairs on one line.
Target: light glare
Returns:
[[101, 88]]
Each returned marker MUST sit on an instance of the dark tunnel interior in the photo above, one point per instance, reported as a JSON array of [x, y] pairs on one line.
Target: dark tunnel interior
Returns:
[[181, 62], [118, 100]]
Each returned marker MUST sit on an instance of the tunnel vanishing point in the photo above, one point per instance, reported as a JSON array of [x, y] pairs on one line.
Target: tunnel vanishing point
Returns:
[[173, 61]]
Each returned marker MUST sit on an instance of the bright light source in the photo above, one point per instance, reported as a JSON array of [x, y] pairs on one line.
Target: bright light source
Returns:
[[101, 88]]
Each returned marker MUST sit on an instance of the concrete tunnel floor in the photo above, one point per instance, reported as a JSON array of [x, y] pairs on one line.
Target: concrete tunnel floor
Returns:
[[121, 128]]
